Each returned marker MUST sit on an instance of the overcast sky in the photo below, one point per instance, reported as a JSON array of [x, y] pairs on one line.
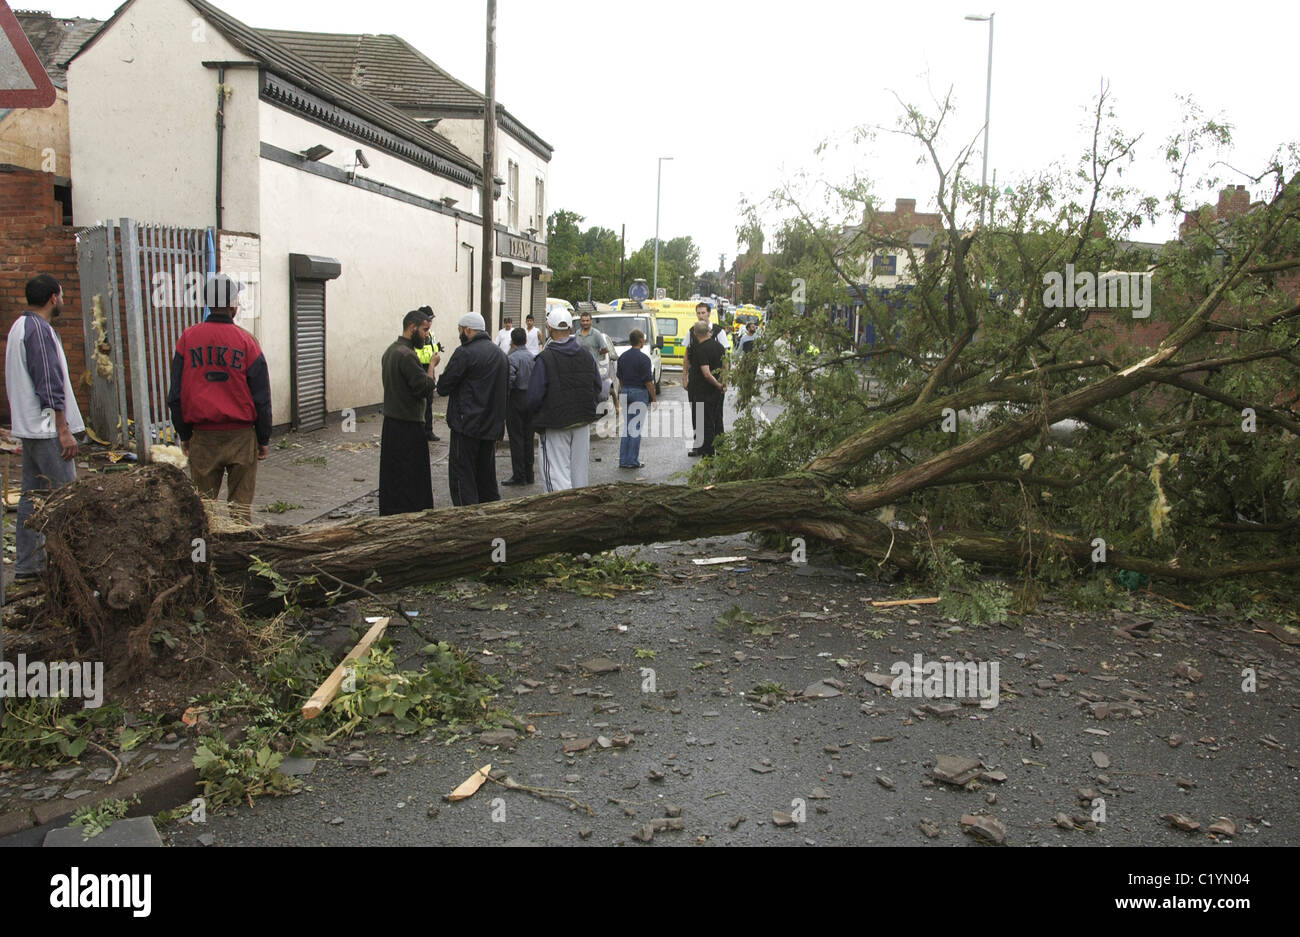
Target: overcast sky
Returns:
[[740, 94]]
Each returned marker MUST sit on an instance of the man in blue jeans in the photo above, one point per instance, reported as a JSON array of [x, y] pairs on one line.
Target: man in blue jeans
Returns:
[[43, 410], [636, 381]]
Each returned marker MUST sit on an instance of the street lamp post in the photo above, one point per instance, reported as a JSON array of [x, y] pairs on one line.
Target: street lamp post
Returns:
[[988, 101], [588, 279], [659, 186]]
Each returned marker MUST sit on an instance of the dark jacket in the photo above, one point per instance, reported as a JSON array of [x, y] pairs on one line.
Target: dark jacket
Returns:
[[522, 362], [564, 387], [407, 385], [219, 381], [475, 381]]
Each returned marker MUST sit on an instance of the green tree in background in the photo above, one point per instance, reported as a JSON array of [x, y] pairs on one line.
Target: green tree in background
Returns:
[[575, 254]]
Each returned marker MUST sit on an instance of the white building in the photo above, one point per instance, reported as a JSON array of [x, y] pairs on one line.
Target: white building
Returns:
[[182, 115]]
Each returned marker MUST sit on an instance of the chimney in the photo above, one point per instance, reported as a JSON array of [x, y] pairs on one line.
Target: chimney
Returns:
[[904, 206], [1240, 200]]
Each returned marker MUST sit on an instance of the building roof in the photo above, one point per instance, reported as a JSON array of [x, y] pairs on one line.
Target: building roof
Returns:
[[281, 61], [56, 39], [393, 70]]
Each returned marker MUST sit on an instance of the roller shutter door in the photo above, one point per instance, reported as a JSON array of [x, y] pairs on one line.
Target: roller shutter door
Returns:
[[512, 298], [307, 329], [539, 300]]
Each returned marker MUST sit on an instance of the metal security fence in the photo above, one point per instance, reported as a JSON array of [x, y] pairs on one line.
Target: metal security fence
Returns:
[[162, 273]]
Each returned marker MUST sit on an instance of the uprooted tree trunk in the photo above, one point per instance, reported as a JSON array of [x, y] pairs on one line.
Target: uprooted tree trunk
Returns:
[[837, 495], [118, 585], [461, 541], [120, 552], [453, 542]]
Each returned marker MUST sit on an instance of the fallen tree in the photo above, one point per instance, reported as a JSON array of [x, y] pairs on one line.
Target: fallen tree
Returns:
[[938, 438]]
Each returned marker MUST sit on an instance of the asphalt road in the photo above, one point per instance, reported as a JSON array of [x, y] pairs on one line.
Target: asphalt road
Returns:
[[854, 768]]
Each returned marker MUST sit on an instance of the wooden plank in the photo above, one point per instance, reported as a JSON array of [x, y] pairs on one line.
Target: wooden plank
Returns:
[[893, 602], [325, 694]]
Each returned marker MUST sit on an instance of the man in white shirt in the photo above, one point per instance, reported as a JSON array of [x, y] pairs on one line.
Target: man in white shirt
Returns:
[[43, 410], [503, 336], [534, 344]]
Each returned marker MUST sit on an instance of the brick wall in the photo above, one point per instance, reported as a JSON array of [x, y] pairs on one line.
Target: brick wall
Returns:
[[33, 240]]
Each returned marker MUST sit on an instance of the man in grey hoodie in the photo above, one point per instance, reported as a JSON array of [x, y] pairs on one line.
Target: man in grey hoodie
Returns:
[[562, 395]]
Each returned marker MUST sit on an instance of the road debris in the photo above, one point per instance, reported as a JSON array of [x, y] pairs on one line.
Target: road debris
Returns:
[[955, 769], [326, 692], [470, 785], [984, 827], [1187, 824]]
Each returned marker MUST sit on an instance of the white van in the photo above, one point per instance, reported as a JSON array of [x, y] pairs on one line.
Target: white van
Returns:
[[619, 325]]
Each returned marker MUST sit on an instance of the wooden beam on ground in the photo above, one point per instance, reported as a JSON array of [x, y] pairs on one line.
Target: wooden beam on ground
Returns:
[[330, 688]]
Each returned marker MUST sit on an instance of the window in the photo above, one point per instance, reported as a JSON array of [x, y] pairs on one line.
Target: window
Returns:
[[539, 221], [666, 326], [512, 195]]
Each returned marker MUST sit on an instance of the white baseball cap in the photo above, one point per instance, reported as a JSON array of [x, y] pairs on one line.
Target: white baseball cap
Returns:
[[559, 319]]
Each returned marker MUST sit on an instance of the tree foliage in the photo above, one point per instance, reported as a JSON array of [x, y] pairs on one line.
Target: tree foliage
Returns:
[[984, 403]]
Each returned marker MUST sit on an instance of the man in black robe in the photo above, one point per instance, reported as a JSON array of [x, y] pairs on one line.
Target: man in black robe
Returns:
[[405, 484]]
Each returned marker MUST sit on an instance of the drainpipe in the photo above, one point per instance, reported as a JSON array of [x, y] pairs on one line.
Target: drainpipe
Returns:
[[223, 94], [221, 132]]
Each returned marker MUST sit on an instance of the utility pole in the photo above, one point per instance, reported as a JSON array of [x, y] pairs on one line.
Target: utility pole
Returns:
[[622, 255], [489, 164], [659, 185], [988, 103]]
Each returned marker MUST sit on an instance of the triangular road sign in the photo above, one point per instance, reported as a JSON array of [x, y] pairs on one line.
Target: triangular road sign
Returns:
[[23, 81]]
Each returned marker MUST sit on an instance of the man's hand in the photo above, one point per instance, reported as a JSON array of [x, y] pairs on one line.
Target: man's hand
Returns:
[[262, 453], [433, 362], [68, 444]]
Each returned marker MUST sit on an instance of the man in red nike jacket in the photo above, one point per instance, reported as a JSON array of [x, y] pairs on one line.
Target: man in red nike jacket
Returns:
[[220, 400]]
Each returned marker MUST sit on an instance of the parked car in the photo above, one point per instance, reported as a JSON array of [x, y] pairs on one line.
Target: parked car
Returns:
[[619, 325]]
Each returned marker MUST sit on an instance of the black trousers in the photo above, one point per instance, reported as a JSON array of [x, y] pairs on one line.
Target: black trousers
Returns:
[[519, 426], [405, 484], [472, 470], [693, 404], [712, 420]]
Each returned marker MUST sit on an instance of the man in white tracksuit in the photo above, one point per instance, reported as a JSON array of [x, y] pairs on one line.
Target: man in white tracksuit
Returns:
[[562, 397], [43, 410]]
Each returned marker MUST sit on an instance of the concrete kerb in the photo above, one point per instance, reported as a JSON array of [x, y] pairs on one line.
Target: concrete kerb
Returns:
[[159, 787]]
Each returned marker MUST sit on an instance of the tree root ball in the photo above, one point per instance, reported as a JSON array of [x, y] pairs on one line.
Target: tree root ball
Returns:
[[123, 549]]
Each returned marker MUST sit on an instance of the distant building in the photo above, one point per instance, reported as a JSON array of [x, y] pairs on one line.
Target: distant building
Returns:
[[37, 138]]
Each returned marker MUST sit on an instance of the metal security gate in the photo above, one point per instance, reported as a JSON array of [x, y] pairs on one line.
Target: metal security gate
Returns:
[[163, 272], [102, 330], [307, 337], [512, 299]]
